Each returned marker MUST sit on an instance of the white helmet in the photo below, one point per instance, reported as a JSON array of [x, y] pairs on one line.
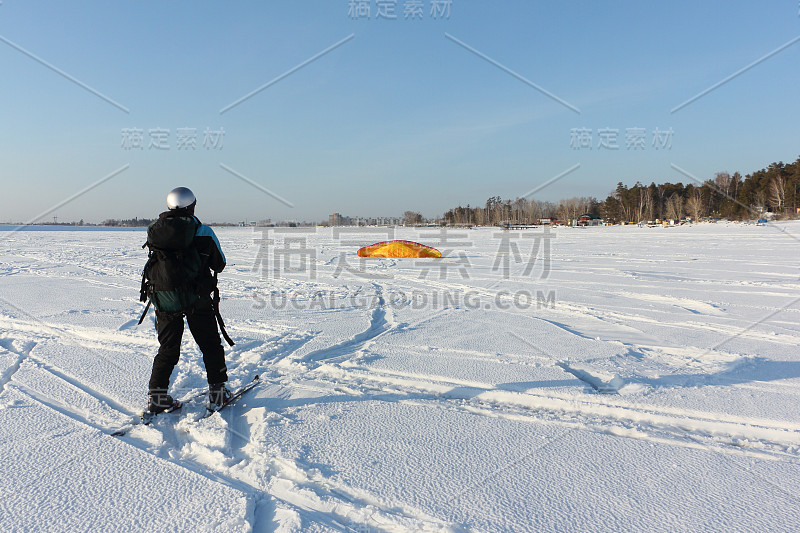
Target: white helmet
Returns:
[[180, 198]]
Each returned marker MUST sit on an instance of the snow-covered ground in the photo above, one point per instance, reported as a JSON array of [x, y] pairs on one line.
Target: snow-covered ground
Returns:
[[596, 379]]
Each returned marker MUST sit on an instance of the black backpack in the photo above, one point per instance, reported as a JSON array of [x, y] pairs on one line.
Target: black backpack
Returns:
[[171, 276], [175, 276]]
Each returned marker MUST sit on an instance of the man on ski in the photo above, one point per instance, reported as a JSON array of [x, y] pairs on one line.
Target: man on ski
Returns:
[[190, 297]]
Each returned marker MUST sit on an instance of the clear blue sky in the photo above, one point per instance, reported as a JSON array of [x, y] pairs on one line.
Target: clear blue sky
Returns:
[[399, 117]]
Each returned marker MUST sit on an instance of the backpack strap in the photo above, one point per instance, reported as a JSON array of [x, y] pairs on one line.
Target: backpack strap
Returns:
[[215, 303], [144, 314], [144, 291]]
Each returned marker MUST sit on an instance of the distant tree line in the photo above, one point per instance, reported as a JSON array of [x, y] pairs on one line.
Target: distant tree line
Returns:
[[412, 218], [773, 189], [128, 222], [520, 211], [144, 222]]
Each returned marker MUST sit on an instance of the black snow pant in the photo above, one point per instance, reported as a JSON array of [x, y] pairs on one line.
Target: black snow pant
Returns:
[[203, 325]]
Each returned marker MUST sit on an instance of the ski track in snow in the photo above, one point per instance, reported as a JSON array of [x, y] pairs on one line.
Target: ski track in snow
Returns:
[[18, 353], [646, 356]]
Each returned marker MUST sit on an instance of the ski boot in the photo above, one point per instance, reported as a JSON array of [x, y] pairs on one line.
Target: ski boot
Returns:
[[218, 395], [159, 402]]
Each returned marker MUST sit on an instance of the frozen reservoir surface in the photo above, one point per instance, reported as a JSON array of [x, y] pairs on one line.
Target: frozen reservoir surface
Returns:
[[577, 379]]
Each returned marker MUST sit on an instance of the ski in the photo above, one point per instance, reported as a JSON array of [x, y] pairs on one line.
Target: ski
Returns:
[[146, 418], [238, 393]]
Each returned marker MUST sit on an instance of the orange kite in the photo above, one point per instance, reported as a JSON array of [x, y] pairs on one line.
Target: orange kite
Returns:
[[398, 249]]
